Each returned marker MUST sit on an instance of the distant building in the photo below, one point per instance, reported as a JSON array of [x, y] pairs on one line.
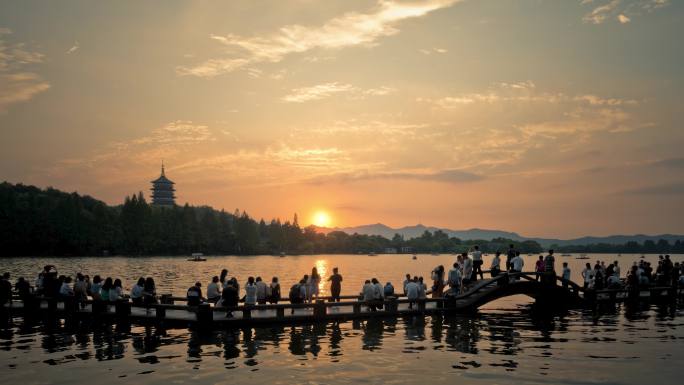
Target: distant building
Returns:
[[163, 191], [390, 250], [406, 250]]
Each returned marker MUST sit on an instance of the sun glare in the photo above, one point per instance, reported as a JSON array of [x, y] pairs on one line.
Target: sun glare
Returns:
[[321, 219]]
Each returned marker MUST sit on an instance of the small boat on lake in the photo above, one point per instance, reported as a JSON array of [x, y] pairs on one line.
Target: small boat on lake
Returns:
[[197, 257], [372, 254], [414, 256], [566, 255]]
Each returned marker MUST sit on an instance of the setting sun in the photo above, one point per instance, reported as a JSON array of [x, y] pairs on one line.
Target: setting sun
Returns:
[[321, 219]]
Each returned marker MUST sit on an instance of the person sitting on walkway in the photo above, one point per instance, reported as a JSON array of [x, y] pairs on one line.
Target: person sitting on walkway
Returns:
[[250, 292], [106, 287], [66, 290], [335, 285], [613, 281], [194, 294], [438, 281], [274, 288], [368, 293], [295, 294], [261, 291], [378, 293], [96, 288], [149, 292], [422, 288], [229, 298], [388, 290], [214, 290], [116, 292], [137, 292], [454, 279], [412, 291]]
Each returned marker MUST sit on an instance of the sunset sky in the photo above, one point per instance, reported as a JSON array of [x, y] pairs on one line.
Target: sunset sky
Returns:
[[545, 117]]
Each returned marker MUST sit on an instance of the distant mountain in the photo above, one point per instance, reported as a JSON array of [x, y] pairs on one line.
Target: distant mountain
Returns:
[[487, 235]]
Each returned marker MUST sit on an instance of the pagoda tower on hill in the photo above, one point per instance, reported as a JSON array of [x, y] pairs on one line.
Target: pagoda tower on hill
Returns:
[[163, 191]]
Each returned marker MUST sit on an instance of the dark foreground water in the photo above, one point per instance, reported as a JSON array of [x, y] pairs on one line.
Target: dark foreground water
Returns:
[[505, 343], [627, 346]]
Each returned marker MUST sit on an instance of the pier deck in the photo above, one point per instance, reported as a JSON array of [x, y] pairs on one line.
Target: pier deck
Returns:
[[169, 314]]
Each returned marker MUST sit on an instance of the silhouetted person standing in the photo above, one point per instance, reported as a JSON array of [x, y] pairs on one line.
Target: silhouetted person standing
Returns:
[[335, 285], [509, 256]]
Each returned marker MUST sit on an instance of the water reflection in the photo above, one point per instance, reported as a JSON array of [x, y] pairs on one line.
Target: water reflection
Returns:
[[498, 342]]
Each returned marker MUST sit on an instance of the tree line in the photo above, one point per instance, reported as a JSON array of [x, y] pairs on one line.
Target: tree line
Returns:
[[49, 222]]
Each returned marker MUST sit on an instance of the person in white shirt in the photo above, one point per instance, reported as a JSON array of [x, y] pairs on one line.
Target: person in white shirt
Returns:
[[313, 282], [518, 262], [368, 292], [406, 282], [477, 263], [495, 267], [616, 268], [116, 292], [261, 293], [250, 292], [565, 275], [137, 291], [454, 279], [412, 291], [214, 290], [467, 269], [422, 288], [65, 290], [613, 281]]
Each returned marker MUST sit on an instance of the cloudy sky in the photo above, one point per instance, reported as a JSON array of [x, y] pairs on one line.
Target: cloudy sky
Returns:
[[545, 117]]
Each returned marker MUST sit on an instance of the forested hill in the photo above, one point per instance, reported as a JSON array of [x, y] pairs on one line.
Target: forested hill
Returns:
[[39, 222], [36, 222]]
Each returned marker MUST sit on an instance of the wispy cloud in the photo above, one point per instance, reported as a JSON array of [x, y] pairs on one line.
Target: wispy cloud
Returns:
[[621, 10], [17, 82], [348, 30], [444, 176], [430, 51], [676, 189], [73, 48], [521, 92], [326, 90]]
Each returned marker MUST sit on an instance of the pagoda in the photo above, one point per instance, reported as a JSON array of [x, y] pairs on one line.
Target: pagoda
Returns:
[[163, 191]]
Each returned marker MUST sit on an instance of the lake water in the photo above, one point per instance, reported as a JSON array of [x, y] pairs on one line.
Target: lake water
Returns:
[[506, 342]]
